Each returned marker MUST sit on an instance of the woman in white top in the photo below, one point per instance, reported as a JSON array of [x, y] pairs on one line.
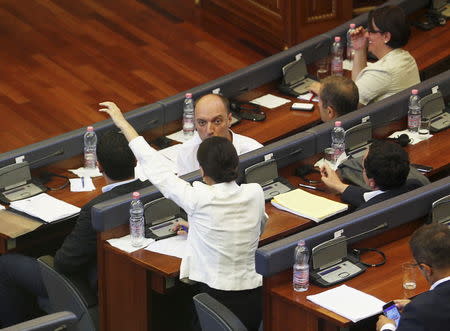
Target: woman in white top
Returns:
[[225, 219], [395, 70]]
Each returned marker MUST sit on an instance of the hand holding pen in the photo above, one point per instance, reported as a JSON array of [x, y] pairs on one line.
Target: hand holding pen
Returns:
[[181, 227]]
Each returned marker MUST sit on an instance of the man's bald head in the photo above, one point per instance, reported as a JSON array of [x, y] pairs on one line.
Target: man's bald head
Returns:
[[213, 116]]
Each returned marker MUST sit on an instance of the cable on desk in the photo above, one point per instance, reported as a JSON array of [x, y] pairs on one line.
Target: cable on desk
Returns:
[[45, 177], [357, 252]]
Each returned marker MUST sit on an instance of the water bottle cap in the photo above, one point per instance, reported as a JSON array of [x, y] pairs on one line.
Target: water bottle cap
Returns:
[[337, 38], [301, 243], [136, 195], [415, 92], [90, 129], [352, 25], [188, 95], [337, 123]]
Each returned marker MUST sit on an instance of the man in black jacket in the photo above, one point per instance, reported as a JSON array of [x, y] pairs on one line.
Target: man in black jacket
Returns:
[[430, 310], [385, 170], [21, 284]]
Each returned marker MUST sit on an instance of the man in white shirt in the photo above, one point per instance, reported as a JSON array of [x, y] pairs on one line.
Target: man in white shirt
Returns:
[[430, 246], [212, 118]]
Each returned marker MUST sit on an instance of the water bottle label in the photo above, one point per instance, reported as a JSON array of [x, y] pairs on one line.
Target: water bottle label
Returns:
[[337, 67], [414, 121], [188, 126], [90, 160], [301, 277]]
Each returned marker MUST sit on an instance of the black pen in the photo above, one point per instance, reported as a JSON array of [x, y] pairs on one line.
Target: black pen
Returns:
[[311, 187]]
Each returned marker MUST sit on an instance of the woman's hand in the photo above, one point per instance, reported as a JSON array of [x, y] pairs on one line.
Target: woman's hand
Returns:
[[359, 40], [181, 227], [116, 115]]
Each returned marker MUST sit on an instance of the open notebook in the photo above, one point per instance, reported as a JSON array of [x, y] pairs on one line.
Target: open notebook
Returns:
[[308, 205]]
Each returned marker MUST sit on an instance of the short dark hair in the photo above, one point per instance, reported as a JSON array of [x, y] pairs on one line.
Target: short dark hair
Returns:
[[218, 159], [114, 155], [339, 92], [391, 19], [387, 164], [430, 244]]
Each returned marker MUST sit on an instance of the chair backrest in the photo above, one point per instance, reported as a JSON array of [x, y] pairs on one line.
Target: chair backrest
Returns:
[[66, 294], [214, 316], [440, 210], [57, 321]]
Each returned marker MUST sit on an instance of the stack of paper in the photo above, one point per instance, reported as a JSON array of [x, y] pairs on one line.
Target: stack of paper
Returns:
[[308, 205], [173, 246], [45, 207], [270, 101], [348, 302]]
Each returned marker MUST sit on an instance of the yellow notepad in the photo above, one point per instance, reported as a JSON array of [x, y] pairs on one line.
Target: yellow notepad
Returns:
[[308, 205]]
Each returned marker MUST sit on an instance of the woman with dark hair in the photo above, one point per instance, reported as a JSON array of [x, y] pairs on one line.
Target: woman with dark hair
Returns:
[[225, 220], [395, 70]]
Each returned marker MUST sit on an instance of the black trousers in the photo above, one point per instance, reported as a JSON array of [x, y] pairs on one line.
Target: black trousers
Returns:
[[246, 304]]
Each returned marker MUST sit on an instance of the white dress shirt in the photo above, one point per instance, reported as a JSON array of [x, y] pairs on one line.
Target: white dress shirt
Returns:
[[225, 222], [394, 72], [187, 154]]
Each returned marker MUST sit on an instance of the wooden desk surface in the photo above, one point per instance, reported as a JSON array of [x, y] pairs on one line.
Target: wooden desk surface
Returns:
[[384, 282]]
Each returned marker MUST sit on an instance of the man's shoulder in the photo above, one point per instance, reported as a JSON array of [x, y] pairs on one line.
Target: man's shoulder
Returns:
[[245, 144]]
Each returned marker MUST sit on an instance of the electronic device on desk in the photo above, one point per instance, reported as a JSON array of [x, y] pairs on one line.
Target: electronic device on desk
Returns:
[[266, 174], [332, 265], [390, 310], [160, 217], [358, 139], [440, 211], [436, 15], [16, 183], [246, 111], [296, 80], [433, 107]]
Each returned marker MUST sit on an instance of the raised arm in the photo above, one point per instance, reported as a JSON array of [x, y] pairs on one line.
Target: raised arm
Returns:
[[116, 115], [360, 46]]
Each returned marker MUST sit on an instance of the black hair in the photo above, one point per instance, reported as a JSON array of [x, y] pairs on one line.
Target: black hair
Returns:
[[387, 164], [391, 19], [114, 155], [430, 244], [339, 92], [218, 159]]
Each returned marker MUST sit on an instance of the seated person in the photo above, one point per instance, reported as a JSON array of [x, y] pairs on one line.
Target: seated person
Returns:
[[338, 96], [395, 70], [21, 283], [212, 118], [385, 170], [225, 219], [429, 311]]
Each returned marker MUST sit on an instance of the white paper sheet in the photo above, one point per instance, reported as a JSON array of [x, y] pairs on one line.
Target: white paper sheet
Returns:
[[179, 136], [270, 101], [124, 243], [86, 172], [308, 97], [45, 207], [348, 302], [173, 246], [414, 137], [83, 184]]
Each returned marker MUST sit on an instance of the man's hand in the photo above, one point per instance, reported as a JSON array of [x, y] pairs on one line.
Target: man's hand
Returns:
[[401, 303], [116, 115], [315, 87], [383, 320], [331, 179], [181, 227]]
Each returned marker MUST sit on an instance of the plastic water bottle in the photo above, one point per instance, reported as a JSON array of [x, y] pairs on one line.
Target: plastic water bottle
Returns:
[[136, 220], [350, 50], [300, 279], [188, 115], [414, 112], [338, 140], [337, 53], [90, 147]]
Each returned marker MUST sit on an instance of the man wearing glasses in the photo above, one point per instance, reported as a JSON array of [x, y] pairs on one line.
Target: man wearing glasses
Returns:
[[430, 246]]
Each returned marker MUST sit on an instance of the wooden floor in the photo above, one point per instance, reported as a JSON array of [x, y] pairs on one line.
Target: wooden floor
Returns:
[[60, 58]]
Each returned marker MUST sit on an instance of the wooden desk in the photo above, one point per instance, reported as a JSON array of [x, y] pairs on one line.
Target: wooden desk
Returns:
[[289, 309]]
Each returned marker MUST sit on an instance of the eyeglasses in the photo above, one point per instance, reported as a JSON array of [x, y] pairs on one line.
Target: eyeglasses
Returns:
[[372, 30]]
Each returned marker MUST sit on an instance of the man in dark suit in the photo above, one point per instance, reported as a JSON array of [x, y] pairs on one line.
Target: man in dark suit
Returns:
[[430, 246], [21, 284], [385, 169]]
